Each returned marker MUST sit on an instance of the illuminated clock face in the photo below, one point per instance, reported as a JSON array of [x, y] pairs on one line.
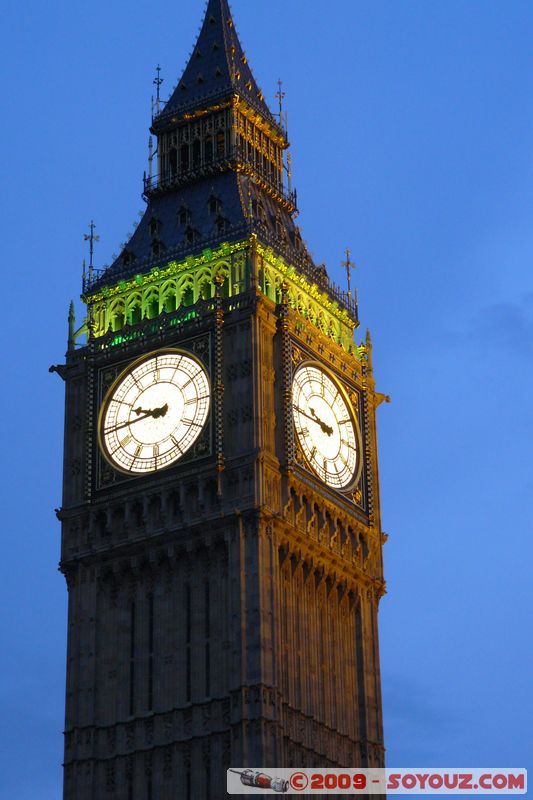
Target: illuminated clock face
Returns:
[[154, 412], [326, 427]]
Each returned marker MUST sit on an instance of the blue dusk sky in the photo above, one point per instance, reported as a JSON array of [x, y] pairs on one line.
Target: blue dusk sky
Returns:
[[411, 125]]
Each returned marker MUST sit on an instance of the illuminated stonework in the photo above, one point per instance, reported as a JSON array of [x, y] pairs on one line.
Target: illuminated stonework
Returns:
[[182, 284]]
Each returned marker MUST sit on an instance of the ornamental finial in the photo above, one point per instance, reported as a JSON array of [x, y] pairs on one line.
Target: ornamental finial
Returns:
[[91, 238], [71, 326], [348, 266], [158, 80], [280, 96], [150, 158]]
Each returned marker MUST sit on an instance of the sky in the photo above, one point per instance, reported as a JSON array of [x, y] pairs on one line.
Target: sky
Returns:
[[411, 125]]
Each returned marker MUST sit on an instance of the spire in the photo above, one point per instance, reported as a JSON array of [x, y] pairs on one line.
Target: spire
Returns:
[[218, 68]]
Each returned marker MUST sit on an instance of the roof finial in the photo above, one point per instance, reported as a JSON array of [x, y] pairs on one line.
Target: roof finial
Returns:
[[348, 266], [91, 238], [158, 80], [71, 326], [150, 158], [280, 96]]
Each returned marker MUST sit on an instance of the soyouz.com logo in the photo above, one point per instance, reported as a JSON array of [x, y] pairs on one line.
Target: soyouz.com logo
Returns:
[[404, 781]]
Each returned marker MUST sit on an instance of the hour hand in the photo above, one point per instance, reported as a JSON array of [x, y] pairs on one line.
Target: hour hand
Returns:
[[142, 413], [326, 428], [154, 412]]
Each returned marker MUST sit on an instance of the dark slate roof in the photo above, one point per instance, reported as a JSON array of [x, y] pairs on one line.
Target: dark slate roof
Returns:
[[244, 207], [218, 68]]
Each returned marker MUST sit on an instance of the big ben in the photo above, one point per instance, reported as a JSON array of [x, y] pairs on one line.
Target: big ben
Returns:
[[221, 530]]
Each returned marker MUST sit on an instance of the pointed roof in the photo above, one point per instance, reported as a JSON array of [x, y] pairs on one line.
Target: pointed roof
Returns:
[[217, 68]]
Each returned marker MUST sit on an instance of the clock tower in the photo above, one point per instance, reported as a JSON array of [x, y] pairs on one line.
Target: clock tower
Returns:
[[221, 532]]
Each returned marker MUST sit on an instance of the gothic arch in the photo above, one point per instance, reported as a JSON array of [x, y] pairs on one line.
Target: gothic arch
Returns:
[[116, 314], [168, 295], [150, 302]]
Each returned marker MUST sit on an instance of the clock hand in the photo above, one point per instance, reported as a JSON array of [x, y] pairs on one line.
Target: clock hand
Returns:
[[325, 428], [143, 414], [155, 413]]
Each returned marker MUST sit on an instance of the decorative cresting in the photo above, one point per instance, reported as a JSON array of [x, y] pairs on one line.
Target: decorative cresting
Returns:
[[182, 284], [168, 288], [305, 297]]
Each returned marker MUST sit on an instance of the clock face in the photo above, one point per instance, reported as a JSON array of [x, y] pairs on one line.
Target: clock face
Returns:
[[154, 412], [326, 427]]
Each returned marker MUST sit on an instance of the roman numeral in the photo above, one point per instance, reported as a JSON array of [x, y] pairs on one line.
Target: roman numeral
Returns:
[[126, 440], [190, 422]]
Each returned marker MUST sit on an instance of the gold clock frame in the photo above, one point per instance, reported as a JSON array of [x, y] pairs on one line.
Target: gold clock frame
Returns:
[[118, 380], [349, 488]]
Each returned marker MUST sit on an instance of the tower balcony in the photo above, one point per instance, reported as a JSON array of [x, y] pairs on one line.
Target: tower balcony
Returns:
[[236, 161]]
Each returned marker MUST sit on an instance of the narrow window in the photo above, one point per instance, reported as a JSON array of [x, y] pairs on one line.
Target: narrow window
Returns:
[[207, 633], [298, 693], [322, 666], [173, 162], [184, 157], [188, 643], [360, 661], [221, 144], [208, 150], [196, 153], [285, 634], [132, 658], [150, 652], [190, 235]]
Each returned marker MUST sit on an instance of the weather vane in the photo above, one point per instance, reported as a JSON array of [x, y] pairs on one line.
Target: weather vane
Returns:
[[158, 80], [91, 238], [348, 266], [280, 96]]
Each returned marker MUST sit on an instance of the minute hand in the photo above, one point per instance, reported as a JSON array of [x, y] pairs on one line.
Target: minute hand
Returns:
[[325, 428]]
